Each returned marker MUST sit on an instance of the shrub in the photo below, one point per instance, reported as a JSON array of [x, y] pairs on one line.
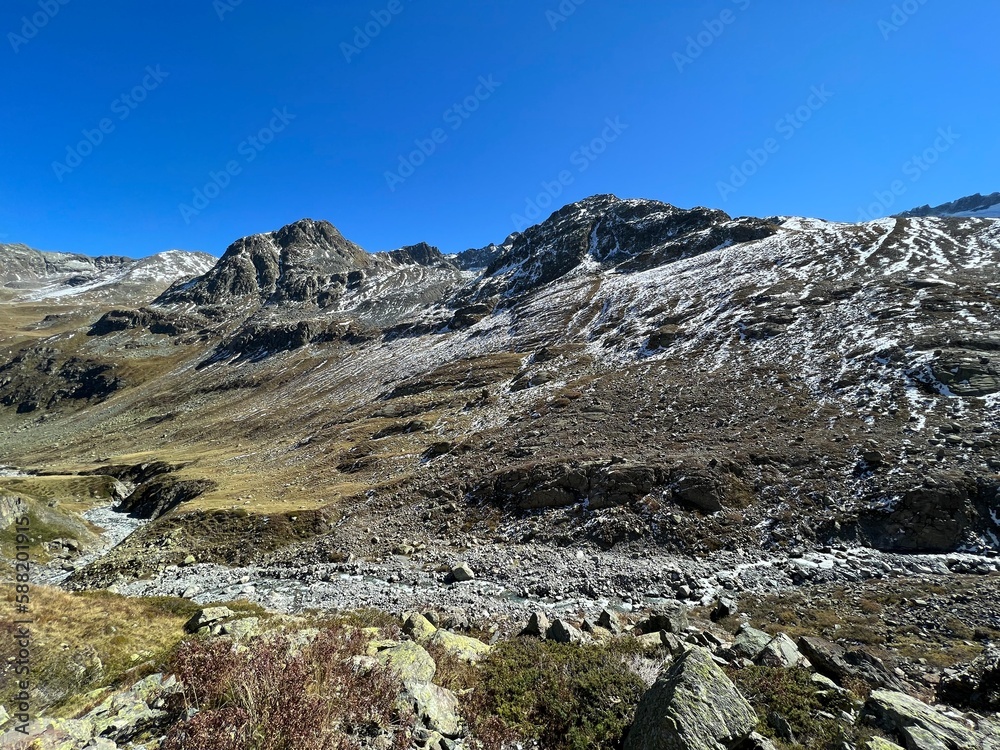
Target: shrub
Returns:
[[791, 694], [267, 696], [565, 697]]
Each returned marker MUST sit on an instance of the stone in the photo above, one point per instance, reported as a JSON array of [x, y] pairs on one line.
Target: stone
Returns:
[[749, 642], [4, 716], [782, 652], [437, 707], [917, 724], [724, 607], [467, 649], [610, 621], [692, 706], [669, 616], [651, 641], [561, 631], [877, 743], [462, 573], [419, 628], [208, 617], [242, 629], [538, 624], [408, 660], [840, 664]]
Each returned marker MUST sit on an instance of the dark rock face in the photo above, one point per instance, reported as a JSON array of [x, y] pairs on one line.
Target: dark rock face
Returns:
[[305, 261], [932, 518], [635, 234], [160, 322], [162, 494], [38, 379], [968, 204], [839, 664]]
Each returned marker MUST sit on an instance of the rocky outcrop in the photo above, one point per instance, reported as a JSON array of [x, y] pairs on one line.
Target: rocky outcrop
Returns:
[[162, 494], [692, 706], [921, 727]]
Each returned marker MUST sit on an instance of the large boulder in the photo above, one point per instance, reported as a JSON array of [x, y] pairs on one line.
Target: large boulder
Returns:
[[408, 660], [840, 664], [437, 708], [919, 726], [782, 652], [669, 616], [692, 706], [749, 642], [460, 646]]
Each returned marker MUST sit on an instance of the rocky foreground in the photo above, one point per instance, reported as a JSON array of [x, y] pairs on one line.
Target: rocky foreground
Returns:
[[667, 679]]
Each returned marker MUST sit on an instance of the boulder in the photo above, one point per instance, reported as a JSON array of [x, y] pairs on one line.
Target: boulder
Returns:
[[782, 652], [462, 573], [207, 618], [692, 706], [538, 624], [242, 629], [840, 664], [408, 660], [919, 726], [976, 685], [561, 631], [669, 616], [437, 708], [461, 646], [419, 628], [749, 642], [610, 621]]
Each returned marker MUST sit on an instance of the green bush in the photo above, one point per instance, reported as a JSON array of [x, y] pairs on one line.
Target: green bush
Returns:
[[566, 697], [791, 694]]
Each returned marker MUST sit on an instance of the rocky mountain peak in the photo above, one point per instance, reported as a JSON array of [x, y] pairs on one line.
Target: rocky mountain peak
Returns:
[[972, 206]]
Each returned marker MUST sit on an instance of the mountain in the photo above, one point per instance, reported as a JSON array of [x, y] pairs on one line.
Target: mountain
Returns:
[[34, 275], [975, 206], [622, 413], [619, 350]]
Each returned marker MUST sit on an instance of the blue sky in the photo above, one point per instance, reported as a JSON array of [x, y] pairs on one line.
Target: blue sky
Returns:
[[456, 122]]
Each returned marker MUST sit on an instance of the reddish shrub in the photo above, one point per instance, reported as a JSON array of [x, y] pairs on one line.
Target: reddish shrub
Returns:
[[268, 696]]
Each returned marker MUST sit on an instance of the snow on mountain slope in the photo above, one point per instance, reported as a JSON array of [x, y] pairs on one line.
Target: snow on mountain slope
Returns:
[[974, 206], [36, 276]]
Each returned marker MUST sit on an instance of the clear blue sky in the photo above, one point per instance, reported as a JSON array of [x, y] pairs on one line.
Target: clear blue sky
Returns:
[[889, 88]]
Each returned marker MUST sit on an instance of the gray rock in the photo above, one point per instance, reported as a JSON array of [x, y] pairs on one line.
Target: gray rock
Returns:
[[692, 706], [462, 573], [208, 617], [437, 707], [749, 642], [410, 661], [561, 631], [419, 628], [538, 624], [669, 616], [918, 725], [610, 621], [782, 652]]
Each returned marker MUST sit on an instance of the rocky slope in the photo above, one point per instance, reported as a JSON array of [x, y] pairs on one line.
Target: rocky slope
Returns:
[[30, 275], [977, 206]]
